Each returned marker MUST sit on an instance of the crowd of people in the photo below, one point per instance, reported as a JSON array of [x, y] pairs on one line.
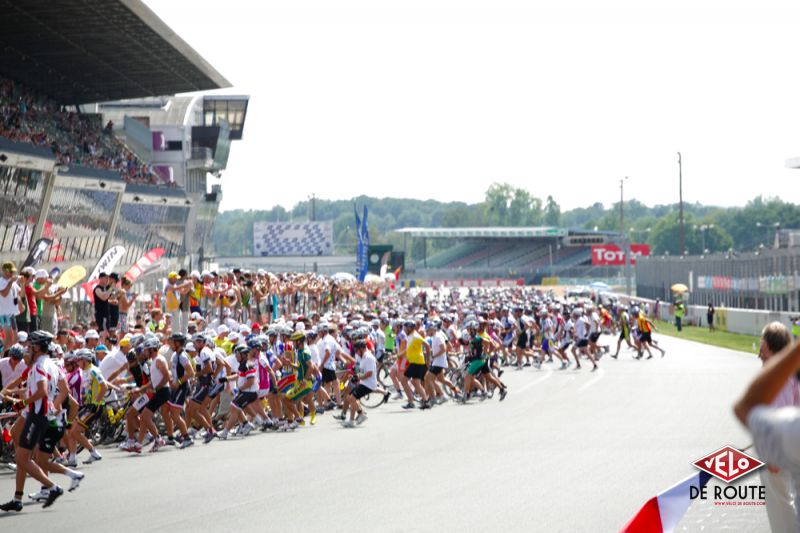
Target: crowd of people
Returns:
[[223, 354], [74, 138]]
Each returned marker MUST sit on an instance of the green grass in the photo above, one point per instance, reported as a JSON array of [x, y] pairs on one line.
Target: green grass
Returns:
[[723, 339]]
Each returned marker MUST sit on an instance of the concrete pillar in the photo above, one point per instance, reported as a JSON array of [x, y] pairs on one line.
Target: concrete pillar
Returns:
[[112, 229], [44, 209]]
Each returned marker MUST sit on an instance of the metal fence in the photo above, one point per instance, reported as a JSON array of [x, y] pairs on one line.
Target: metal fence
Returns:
[[762, 280]]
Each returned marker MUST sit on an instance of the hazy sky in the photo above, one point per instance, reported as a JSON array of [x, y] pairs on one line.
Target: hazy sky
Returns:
[[438, 98]]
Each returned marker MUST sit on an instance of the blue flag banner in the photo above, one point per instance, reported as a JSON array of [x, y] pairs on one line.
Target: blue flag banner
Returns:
[[362, 261], [363, 247]]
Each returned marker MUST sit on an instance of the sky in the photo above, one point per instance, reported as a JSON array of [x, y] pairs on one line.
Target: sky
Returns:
[[437, 99]]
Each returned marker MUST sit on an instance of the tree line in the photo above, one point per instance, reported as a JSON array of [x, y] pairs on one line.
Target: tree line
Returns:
[[707, 228]]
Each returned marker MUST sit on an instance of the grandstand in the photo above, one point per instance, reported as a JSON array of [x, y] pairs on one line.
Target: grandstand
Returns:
[[530, 253], [94, 149]]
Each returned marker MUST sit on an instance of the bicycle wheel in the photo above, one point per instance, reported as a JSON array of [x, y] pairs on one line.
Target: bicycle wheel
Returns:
[[372, 400], [384, 379]]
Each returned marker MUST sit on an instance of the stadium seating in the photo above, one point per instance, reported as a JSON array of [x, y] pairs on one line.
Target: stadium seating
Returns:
[[74, 138]]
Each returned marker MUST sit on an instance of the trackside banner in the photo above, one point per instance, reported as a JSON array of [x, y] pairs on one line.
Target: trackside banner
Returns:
[[611, 254]]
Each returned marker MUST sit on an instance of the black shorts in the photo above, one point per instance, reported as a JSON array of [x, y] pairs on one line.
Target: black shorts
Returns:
[[161, 397], [623, 334], [32, 432], [243, 399], [88, 414], [485, 369], [328, 375], [177, 397], [582, 343], [50, 438], [436, 370], [594, 336], [215, 389], [522, 340], [201, 392], [646, 337], [415, 371], [360, 391]]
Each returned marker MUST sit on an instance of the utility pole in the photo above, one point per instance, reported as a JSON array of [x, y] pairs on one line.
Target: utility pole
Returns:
[[626, 245], [682, 239]]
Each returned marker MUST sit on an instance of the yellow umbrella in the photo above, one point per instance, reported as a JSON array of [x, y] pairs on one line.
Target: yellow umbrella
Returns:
[[679, 287]]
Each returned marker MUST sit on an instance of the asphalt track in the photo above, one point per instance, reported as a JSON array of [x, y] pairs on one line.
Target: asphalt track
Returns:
[[566, 451]]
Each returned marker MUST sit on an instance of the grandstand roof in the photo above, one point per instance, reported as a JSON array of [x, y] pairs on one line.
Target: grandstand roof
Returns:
[[477, 233], [97, 50]]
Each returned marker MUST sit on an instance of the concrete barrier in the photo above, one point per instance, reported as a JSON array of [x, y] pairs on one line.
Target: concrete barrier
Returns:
[[745, 321]]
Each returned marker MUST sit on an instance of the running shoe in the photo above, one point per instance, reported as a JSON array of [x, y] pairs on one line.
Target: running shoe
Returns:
[[398, 395], [313, 418], [425, 405], [268, 423], [188, 441], [75, 482], [170, 442], [293, 425], [386, 396], [595, 367], [55, 493], [13, 505], [503, 393], [348, 424], [209, 437], [302, 423], [340, 416], [72, 462], [39, 496], [157, 445], [246, 429], [135, 448], [223, 435], [361, 418], [93, 456], [409, 406]]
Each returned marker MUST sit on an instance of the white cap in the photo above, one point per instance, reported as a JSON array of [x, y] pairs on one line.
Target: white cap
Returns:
[[195, 274], [92, 334], [245, 330], [28, 270], [300, 326], [190, 347], [196, 316], [22, 336], [223, 329], [41, 273]]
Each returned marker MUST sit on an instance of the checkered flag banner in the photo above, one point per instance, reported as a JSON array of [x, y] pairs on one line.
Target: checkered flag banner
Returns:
[[290, 239]]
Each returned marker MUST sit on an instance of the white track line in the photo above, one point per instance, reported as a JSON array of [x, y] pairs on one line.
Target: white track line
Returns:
[[597, 377], [548, 373]]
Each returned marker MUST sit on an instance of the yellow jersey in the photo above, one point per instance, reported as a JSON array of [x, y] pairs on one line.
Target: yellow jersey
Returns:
[[414, 353]]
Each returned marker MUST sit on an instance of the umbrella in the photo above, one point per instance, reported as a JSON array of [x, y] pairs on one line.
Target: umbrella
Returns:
[[373, 279], [343, 276], [679, 287], [600, 286]]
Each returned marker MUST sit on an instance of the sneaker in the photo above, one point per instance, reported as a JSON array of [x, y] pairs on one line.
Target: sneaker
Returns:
[[649, 356], [409, 406], [340, 416], [614, 356], [125, 445], [61, 461], [148, 439], [386, 397], [223, 435], [39, 496], [503, 393], [170, 442], [595, 367], [55, 493], [348, 424], [425, 405], [93, 456], [192, 432], [284, 426], [663, 353], [72, 462], [157, 445], [500, 373], [302, 423], [361, 418], [313, 418], [398, 395], [188, 441], [248, 427], [135, 448], [13, 505], [209, 437], [75, 482], [293, 425]]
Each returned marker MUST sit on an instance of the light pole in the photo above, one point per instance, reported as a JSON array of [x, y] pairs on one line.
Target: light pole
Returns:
[[625, 242], [703, 228], [682, 241], [770, 226]]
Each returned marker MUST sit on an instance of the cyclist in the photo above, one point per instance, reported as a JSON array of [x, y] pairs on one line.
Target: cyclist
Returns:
[[366, 375], [93, 391], [180, 374]]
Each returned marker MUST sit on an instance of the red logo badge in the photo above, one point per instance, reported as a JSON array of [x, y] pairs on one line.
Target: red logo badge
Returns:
[[728, 464]]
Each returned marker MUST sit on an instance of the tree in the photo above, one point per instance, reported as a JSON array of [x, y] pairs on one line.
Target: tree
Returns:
[[552, 212]]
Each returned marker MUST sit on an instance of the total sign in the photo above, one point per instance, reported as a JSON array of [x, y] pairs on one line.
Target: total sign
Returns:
[[611, 254]]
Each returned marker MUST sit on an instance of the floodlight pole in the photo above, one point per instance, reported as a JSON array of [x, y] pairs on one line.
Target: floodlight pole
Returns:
[[682, 240], [626, 245]]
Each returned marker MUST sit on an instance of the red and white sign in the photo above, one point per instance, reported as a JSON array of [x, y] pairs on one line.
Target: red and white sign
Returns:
[[728, 464], [611, 254]]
